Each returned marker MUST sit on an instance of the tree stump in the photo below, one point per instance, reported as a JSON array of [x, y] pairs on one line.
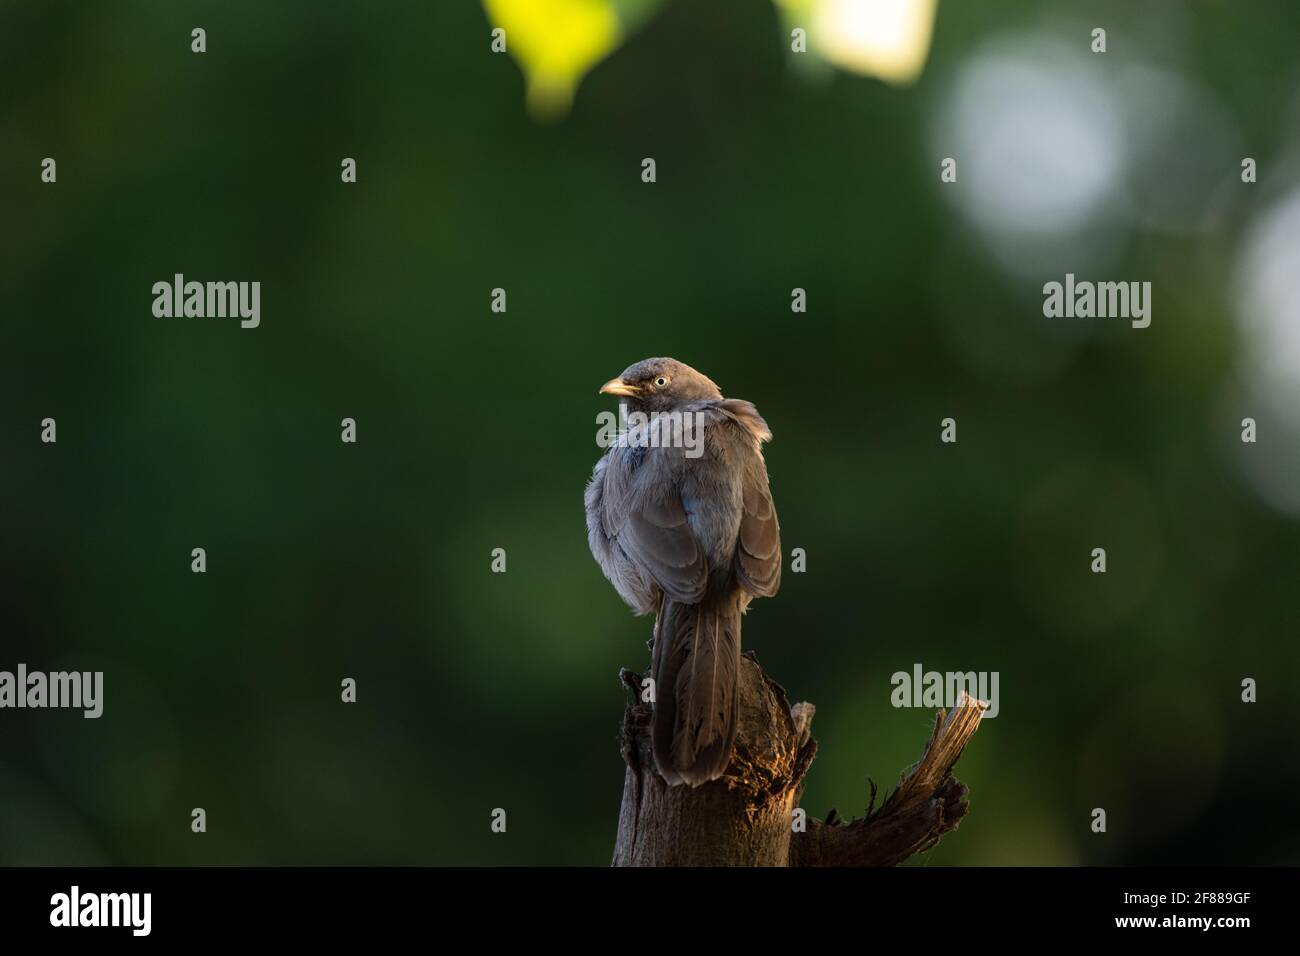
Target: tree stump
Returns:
[[746, 817]]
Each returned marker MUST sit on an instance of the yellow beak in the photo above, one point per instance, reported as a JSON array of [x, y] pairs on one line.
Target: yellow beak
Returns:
[[616, 386]]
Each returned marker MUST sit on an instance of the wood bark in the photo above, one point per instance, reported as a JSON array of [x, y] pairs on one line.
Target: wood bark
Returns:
[[746, 817]]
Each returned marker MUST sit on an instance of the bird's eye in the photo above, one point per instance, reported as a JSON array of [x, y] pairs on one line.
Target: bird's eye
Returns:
[[661, 381]]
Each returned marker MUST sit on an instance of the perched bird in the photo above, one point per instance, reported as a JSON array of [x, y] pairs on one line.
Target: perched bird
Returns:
[[682, 524]]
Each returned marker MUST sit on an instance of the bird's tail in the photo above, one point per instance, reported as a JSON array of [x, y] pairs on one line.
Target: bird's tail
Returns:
[[695, 666]]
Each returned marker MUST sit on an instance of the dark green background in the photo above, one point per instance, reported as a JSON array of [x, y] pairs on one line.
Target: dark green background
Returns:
[[479, 690]]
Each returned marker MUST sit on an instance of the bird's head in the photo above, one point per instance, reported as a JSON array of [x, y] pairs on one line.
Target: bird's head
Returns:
[[660, 385]]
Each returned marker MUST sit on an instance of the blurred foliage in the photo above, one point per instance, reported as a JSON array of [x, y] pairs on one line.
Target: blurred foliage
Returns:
[[557, 42], [476, 431], [889, 39]]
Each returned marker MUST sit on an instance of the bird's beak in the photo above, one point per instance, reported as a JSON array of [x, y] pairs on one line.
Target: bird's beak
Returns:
[[616, 386]]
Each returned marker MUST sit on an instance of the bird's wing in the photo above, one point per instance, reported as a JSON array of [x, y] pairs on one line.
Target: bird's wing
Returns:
[[658, 537], [758, 547], [646, 519], [745, 415]]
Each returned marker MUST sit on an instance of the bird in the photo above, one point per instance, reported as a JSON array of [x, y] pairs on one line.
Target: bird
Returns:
[[681, 521]]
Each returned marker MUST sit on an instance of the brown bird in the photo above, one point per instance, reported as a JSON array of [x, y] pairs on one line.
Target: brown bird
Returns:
[[681, 520]]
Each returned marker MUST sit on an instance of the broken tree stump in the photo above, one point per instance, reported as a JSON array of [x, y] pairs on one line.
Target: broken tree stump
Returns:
[[745, 817]]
